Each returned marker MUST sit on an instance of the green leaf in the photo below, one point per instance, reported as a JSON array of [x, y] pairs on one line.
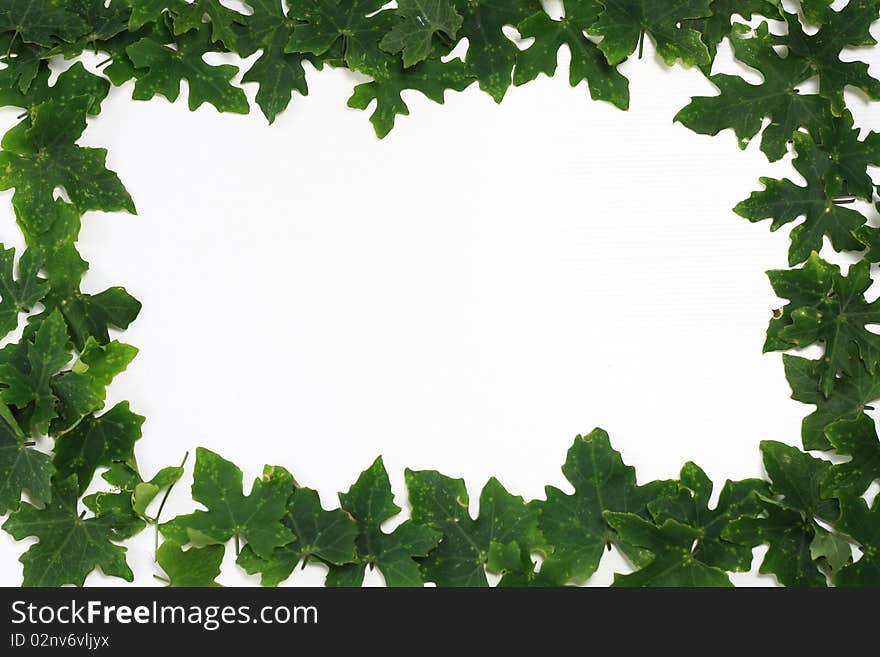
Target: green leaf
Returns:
[[587, 61], [847, 28], [830, 548], [70, 546], [40, 22], [788, 538], [574, 524], [491, 55], [782, 201], [463, 554], [217, 484], [742, 106], [690, 507], [674, 562], [40, 154], [75, 84], [849, 399], [421, 21], [195, 567], [431, 77], [623, 23], [18, 294], [327, 535], [795, 478], [98, 441], [862, 524], [27, 370], [829, 308], [850, 157], [354, 25], [86, 315], [104, 20], [166, 67], [277, 72], [858, 440], [22, 468], [370, 503]]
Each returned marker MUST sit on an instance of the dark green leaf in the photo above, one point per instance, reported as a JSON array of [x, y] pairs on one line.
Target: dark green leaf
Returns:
[[782, 201], [257, 517], [587, 61], [421, 21], [70, 546], [623, 23]]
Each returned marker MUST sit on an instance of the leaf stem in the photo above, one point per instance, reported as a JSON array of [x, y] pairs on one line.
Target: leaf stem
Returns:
[[162, 505], [641, 43]]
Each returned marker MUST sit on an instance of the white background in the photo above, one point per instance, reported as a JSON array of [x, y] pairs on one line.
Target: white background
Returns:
[[466, 295]]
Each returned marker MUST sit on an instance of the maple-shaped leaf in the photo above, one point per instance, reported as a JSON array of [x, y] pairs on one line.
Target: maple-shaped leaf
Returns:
[[70, 546], [326, 535], [257, 517], [190, 16], [98, 441], [40, 22], [370, 503], [464, 552], [674, 561], [431, 77], [22, 468], [27, 371], [86, 315], [847, 28], [83, 389], [587, 61], [788, 538], [355, 25], [421, 21], [852, 393], [858, 440], [850, 158], [861, 523], [825, 306], [166, 67], [795, 477], [690, 507], [491, 56], [40, 154], [193, 567], [20, 293], [714, 28], [742, 106], [623, 23], [782, 201], [574, 524], [789, 527], [75, 83], [278, 73]]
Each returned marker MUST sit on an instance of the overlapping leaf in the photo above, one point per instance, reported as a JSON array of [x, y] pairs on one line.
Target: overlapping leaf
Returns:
[[587, 61], [256, 517], [783, 201], [825, 306], [70, 546], [370, 503]]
